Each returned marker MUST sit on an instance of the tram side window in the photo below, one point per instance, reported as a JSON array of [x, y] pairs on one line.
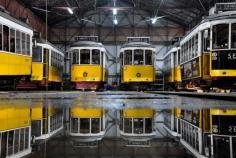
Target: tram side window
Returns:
[[195, 45], [37, 54], [138, 125], [95, 125], [12, 40], [5, 38], [0, 37], [28, 44], [128, 57], [148, 57], [121, 58], [206, 40], [233, 35], [18, 42], [220, 36], [138, 57], [84, 125], [16, 141], [96, 56], [10, 142], [23, 43], [128, 125], [84, 56]]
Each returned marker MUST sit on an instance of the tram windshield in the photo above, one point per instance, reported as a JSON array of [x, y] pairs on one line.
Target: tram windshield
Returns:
[[95, 125], [84, 56], [220, 36], [138, 57], [138, 125], [96, 56], [37, 54], [128, 57], [84, 125], [148, 57]]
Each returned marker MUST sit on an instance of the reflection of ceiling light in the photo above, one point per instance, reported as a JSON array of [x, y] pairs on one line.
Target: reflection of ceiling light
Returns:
[[115, 21], [70, 10], [154, 20], [114, 11]]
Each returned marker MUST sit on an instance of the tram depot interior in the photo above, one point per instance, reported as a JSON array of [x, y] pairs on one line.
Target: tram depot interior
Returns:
[[118, 78]]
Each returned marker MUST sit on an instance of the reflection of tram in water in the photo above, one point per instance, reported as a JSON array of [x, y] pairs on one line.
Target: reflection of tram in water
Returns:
[[137, 63], [88, 63], [15, 130], [208, 132], [137, 125], [87, 124], [207, 56], [45, 121]]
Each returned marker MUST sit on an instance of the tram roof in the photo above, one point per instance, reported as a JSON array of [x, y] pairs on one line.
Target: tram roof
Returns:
[[137, 44], [9, 17], [43, 41], [214, 17], [86, 44]]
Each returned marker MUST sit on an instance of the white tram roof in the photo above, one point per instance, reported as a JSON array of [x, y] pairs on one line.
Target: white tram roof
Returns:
[[137, 45], [208, 22], [174, 49], [12, 22], [47, 44], [87, 44]]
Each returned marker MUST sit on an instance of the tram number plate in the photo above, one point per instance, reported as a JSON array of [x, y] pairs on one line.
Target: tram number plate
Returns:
[[224, 125], [85, 144], [139, 143]]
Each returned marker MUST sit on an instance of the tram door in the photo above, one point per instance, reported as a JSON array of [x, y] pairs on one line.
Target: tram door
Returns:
[[45, 63]]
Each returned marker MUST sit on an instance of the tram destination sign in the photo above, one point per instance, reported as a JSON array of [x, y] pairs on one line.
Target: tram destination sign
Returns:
[[138, 39], [225, 7], [85, 144], [224, 125], [138, 143], [86, 38]]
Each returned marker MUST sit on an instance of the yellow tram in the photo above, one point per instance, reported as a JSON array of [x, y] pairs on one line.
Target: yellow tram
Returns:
[[88, 64], [15, 130], [207, 132], [172, 70], [87, 124], [45, 121], [207, 56], [15, 50], [137, 63], [47, 67], [137, 125]]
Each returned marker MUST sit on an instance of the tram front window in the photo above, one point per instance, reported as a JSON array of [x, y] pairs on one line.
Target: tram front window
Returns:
[[148, 57], [138, 57], [37, 54], [74, 125], [148, 125], [95, 125], [84, 125], [128, 125], [128, 57], [96, 56], [75, 57], [221, 147], [138, 125], [84, 56], [220, 36]]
